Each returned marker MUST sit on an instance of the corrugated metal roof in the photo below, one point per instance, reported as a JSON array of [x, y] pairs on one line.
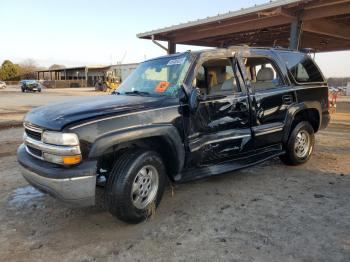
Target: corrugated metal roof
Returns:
[[231, 14]]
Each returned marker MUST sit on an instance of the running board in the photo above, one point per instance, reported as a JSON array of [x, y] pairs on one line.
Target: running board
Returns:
[[228, 166]]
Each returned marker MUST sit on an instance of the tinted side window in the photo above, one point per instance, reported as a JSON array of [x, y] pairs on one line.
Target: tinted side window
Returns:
[[302, 67]]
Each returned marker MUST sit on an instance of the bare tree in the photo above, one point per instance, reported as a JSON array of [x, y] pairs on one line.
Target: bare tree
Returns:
[[56, 66], [28, 68]]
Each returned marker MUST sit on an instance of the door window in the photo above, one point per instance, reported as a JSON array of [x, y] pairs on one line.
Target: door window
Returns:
[[215, 77], [263, 74]]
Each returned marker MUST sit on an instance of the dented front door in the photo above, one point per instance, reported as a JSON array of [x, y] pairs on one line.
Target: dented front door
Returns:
[[220, 129]]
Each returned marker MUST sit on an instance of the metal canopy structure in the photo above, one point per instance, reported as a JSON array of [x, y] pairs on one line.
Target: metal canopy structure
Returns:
[[70, 73], [323, 25]]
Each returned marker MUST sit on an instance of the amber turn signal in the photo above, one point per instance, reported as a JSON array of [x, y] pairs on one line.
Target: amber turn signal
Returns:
[[71, 160]]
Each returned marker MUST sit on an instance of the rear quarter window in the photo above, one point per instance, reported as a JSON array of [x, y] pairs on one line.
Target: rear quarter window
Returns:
[[302, 68]]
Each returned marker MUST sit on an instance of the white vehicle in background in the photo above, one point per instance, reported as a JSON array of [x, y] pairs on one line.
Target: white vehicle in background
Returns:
[[2, 85]]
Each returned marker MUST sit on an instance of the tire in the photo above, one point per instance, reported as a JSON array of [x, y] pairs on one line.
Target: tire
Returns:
[[39, 90], [300, 145], [125, 176]]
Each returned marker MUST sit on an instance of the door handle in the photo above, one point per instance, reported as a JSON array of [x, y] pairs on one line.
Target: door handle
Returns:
[[287, 99]]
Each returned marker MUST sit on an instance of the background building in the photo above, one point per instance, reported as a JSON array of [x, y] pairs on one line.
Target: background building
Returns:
[[83, 75]]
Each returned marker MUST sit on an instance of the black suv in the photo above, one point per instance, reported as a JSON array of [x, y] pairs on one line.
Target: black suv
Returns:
[[179, 117]]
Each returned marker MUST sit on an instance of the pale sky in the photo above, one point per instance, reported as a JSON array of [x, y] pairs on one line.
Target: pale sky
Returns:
[[84, 32]]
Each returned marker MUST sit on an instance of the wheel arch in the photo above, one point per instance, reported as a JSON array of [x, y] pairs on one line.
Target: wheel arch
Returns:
[[306, 111], [164, 139]]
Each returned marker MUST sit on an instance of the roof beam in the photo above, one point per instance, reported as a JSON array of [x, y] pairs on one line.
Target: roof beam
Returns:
[[322, 12], [287, 13], [328, 28], [278, 11], [254, 24]]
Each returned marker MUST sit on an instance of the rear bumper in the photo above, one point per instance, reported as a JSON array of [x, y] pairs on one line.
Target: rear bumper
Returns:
[[31, 88], [73, 185]]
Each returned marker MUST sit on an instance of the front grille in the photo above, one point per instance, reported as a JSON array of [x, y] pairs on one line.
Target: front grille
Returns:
[[33, 131], [33, 134], [34, 151]]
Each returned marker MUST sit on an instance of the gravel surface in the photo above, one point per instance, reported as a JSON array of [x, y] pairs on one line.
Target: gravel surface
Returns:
[[14, 104]]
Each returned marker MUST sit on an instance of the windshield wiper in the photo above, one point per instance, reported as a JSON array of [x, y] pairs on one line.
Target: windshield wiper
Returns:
[[136, 92]]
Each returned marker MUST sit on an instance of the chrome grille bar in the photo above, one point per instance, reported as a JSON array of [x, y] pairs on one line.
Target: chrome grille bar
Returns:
[[32, 131], [52, 149], [32, 127]]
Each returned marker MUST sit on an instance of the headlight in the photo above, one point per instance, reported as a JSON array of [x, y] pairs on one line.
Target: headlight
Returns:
[[61, 139]]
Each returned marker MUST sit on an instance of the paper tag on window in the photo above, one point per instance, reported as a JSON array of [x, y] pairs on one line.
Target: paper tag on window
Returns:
[[178, 61], [162, 87]]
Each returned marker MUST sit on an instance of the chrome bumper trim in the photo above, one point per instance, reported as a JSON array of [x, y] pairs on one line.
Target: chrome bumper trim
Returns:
[[77, 190]]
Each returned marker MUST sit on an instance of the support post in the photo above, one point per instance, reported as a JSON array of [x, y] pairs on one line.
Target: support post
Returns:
[[294, 40], [171, 48], [86, 76]]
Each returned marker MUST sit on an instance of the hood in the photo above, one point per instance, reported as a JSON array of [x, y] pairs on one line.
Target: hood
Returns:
[[58, 115]]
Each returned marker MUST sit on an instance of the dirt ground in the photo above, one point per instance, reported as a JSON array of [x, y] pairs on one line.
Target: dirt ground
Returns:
[[269, 212], [14, 104]]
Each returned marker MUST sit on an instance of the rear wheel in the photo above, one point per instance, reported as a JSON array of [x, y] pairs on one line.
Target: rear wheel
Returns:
[[300, 144], [135, 185]]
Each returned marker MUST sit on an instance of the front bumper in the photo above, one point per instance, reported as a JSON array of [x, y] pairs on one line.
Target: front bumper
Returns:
[[74, 185]]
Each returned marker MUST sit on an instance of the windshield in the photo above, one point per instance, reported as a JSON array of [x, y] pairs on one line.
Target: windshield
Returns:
[[159, 77], [29, 82]]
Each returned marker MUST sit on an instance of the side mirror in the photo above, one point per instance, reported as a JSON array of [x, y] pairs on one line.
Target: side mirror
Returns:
[[194, 99]]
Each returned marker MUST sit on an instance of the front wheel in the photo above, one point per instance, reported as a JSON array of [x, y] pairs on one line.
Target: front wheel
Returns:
[[300, 144], [135, 185]]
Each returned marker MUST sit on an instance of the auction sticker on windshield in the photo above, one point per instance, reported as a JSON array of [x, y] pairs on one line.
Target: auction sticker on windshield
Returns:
[[162, 87], [178, 61]]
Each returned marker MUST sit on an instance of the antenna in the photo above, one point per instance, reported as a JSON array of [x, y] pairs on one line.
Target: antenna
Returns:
[[123, 57]]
